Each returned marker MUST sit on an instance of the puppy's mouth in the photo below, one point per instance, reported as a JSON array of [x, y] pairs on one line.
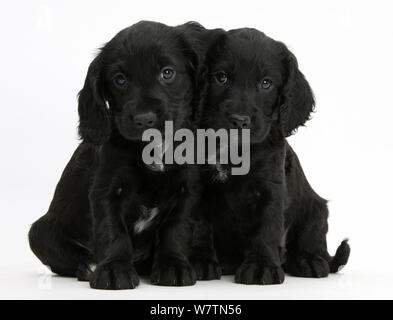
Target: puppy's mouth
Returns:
[[131, 132], [137, 134], [257, 134]]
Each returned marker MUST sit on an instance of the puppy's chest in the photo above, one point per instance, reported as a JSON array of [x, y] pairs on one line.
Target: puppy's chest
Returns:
[[158, 187], [238, 196], [149, 208], [154, 197], [147, 217]]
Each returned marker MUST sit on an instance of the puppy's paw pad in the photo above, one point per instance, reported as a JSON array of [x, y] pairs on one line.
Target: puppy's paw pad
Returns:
[[253, 273], [309, 266], [170, 274], [114, 276]]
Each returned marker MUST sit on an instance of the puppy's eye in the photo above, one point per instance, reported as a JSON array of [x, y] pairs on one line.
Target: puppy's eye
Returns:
[[120, 80], [266, 83], [167, 74], [221, 77]]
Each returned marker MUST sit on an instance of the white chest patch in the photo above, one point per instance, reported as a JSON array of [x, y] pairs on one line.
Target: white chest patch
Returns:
[[146, 218], [221, 174], [284, 238], [157, 167]]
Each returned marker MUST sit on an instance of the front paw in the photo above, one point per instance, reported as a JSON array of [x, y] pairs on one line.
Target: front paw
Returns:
[[206, 269], [307, 265], [255, 273], [114, 276], [171, 272]]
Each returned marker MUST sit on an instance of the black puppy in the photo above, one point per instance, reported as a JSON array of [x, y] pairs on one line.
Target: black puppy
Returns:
[[110, 208], [247, 222]]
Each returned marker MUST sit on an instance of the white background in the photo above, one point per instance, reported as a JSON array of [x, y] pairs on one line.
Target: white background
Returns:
[[343, 47]]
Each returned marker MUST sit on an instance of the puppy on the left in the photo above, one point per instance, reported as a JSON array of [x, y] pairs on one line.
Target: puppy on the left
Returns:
[[110, 209]]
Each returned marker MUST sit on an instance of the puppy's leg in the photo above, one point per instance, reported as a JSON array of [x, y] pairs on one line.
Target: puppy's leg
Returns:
[[60, 238], [306, 220], [171, 266], [263, 257], [204, 257], [113, 246], [61, 253], [307, 254], [306, 246]]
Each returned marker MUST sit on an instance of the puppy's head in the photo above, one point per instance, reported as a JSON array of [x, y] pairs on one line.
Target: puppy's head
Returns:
[[141, 78], [254, 82]]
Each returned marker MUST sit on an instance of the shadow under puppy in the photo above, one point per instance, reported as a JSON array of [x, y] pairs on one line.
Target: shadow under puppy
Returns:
[[109, 207], [270, 220]]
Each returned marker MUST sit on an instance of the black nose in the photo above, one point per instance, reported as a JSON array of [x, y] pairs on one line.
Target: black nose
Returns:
[[145, 120], [239, 121]]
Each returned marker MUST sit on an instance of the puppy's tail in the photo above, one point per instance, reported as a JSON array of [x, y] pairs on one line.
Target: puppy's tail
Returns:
[[340, 259]]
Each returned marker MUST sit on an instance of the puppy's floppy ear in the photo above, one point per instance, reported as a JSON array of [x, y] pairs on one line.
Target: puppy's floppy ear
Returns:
[[94, 117], [297, 100], [192, 35], [214, 41]]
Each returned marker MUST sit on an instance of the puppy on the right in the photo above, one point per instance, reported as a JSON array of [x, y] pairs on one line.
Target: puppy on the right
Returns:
[[269, 221]]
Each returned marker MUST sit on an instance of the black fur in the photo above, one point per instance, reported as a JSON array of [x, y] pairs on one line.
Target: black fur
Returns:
[[257, 226], [106, 187], [270, 220]]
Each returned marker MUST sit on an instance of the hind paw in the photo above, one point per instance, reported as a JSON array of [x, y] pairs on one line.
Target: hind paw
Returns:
[[307, 265], [84, 272]]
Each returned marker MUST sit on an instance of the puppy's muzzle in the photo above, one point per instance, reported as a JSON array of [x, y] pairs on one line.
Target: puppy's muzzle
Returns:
[[239, 121], [145, 120]]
